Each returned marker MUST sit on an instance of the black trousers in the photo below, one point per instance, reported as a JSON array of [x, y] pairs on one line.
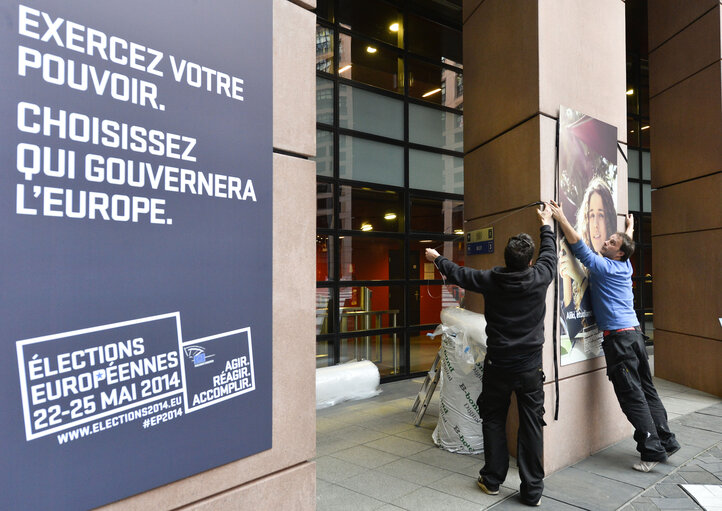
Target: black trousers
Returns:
[[629, 371], [493, 402]]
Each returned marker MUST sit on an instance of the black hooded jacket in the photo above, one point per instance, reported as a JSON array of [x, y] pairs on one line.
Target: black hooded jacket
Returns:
[[514, 304]]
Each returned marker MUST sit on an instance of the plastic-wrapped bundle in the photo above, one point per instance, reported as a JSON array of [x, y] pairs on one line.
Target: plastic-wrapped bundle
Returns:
[[463, 349], [343, 382]]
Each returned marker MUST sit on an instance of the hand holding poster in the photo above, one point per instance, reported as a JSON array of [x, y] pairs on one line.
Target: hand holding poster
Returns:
[[588, 196]]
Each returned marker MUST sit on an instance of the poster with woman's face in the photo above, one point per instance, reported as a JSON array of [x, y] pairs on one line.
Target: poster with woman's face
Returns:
[[588, 195]]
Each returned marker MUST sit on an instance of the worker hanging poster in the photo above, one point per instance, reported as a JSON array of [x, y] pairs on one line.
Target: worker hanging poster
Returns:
[[136, 153], [588, 195]]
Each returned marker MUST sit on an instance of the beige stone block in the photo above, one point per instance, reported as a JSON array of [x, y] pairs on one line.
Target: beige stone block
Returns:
[[686, 129], [294, 369], [582, 60], [590, 419], [691, 361], [503, 174], [687, 283], [294, 78], [689, 51], [667, 17], [291, 490], [501, 70], [690, 206]]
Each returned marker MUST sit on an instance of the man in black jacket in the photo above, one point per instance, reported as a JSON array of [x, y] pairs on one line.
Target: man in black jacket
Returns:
[[514, 307]]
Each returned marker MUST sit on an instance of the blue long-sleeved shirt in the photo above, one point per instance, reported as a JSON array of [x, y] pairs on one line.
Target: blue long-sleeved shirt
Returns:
[[610, 284]]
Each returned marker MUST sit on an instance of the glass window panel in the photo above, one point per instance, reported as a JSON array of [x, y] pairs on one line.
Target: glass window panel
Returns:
[[373, 18], [646, 166], [633, 164], [371, 258], [437, 172], [324, 354], [370, 63], [452, 250], [423, 350], [646, 198], [644, 134], [644, 88], [378, 210], [365, 160], [324, 206], [324, 153], [324, 258], [633, 190], [373, 113], [434, 41], [324, 49], [324, 9], [384, 350], [632, 133], [437, 128], [324, 303], [647, 293], [324, 101], [645, 225], [427, 82], [437, 215]]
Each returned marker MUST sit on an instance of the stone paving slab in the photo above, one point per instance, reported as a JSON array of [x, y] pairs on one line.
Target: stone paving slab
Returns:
[[587, 490]]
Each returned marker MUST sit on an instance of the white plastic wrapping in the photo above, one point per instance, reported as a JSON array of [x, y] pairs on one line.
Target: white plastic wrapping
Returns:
[[343, 382], [463, 349]]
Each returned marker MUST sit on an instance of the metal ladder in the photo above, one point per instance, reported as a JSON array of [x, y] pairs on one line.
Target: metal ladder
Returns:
[[427, 390]]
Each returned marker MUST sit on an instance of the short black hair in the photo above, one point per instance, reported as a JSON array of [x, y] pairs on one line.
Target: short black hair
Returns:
[[518, 252], [626, 246]]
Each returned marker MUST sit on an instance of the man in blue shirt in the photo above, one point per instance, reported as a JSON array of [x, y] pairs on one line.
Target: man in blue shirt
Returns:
[[610, 276]]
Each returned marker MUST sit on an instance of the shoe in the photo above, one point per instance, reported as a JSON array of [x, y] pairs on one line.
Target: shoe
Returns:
[[485, 488], [645, 466], [537, 503], [671, 451]]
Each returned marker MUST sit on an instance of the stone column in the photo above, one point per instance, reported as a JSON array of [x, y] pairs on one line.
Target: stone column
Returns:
[[686, 150], [522, 59], [283, 477]]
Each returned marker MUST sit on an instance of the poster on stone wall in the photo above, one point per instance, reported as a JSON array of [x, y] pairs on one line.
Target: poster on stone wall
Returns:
[[588, 195], [136, 200]]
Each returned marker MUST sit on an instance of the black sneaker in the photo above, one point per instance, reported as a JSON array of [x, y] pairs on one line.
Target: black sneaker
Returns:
[[485, 488], [671, 451]]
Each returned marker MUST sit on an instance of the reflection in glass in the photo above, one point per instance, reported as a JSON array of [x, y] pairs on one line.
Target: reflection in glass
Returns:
[[385, 350], [324, 100], [324, 153], [423, 350], [366, 160], [633, 164], [373, 18], [437, 172], [324, 9], [382, 210], [371, 64], [434, 41], [436, 128], [370, 258], [372, 113], [437, 215], [324, 49], [632, 132], [324, 304], [324, 205], [452, 250], [324, 258], [427, 82], [633, 196]]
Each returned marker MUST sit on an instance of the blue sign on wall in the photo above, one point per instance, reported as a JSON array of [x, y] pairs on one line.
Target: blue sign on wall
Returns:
[[135, 205]]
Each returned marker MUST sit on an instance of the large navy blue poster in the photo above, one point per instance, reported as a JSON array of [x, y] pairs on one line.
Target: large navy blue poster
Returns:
[[135, 257]]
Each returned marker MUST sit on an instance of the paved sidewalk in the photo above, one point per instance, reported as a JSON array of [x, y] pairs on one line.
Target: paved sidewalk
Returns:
[[371, 457]]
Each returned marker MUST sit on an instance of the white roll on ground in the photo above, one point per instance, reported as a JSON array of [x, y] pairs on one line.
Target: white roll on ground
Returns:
[[343, 382]]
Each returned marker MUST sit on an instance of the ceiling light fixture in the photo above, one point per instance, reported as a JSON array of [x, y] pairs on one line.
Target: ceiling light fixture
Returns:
[[430, 93], [394, 27], [630, 92], [344, 68], [371, 49], [645, 128], [367, 227], [390, 216]]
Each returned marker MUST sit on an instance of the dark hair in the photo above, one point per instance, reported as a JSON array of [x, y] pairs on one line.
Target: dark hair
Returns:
[[518, 252], [626, 246]]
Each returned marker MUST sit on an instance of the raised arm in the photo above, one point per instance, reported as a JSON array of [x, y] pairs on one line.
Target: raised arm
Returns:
[[570, 234], [629, 225]]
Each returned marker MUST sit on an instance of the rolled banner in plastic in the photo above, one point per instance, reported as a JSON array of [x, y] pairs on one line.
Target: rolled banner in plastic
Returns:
[[344, 382]]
